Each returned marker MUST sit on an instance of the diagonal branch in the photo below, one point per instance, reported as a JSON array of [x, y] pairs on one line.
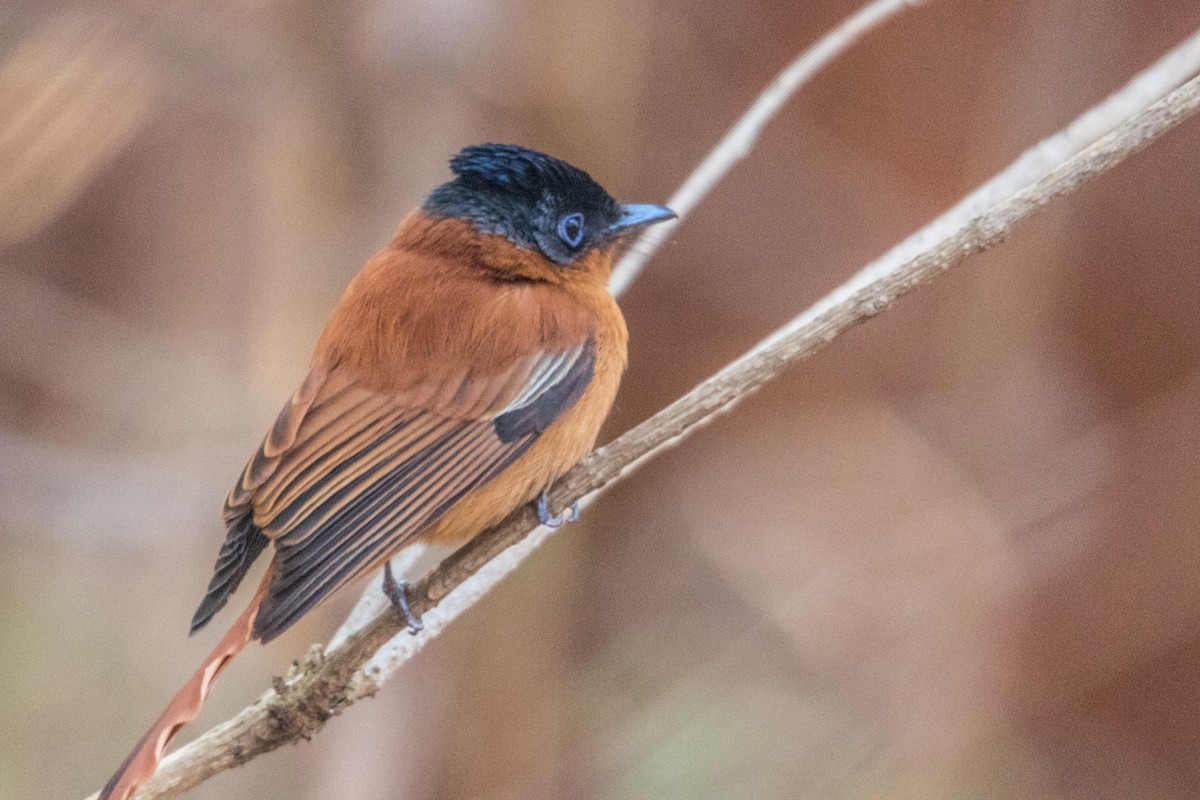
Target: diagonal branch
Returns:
[[327, 683], [737, 143]]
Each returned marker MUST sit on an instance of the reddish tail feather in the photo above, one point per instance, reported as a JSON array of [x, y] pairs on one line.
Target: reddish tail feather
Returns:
[[140, 764]]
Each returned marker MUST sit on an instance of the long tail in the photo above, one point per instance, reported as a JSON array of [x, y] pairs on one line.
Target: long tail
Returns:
[[184, 706]]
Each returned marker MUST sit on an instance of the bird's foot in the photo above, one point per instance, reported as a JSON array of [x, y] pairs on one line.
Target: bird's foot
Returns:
[[551, 521], [397, 592]]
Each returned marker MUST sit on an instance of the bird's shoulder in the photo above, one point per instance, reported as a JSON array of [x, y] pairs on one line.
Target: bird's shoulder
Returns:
[[413, 317]]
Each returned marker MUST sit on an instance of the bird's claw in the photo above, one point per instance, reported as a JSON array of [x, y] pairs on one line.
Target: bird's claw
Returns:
[[569, 514], [397, 592]]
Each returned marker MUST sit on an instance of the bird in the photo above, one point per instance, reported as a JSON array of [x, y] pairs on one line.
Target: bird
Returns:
[[469, 364]]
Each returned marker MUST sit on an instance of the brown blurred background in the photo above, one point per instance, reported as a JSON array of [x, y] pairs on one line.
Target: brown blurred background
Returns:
[[955, 555]]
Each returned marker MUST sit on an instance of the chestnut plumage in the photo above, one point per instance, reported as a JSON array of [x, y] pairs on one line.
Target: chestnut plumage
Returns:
[[466, 367]]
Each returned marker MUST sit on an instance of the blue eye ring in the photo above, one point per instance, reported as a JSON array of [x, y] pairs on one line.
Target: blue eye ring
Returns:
[[570, 229]]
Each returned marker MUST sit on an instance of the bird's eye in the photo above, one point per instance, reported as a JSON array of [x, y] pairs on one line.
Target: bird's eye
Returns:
[[570, 229]]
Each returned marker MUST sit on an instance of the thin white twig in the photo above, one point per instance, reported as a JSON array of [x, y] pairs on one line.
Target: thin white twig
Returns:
[[741, 138]]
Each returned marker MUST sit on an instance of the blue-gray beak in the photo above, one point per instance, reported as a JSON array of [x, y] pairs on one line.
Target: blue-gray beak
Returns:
[[640, 215]]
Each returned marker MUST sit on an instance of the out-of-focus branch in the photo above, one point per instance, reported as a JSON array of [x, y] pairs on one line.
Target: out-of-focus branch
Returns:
[[327, 683], [72, 96]]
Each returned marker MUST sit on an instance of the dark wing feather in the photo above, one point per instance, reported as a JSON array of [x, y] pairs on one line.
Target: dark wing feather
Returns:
[[243, 544], [245, 541], [361, 473], [545, 406]]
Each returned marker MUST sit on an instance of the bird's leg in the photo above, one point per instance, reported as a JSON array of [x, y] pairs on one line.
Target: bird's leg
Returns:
[[549, 520], [397, 592]]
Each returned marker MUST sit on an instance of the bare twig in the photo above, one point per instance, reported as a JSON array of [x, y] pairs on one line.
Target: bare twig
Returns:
[[326, 684], [741, 138]]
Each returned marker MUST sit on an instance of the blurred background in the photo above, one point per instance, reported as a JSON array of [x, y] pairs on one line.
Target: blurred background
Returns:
[[954, 555]]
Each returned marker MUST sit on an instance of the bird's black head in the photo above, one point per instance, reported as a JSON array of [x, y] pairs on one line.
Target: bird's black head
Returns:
[[535, 201]]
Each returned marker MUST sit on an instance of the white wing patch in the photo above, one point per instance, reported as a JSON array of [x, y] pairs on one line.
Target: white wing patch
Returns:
[[548, 371]]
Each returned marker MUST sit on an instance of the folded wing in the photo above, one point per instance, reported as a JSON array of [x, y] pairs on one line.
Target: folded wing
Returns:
[[348, 475]]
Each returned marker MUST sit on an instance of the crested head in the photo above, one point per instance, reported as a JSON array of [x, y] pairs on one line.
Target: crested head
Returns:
[[536, 201]]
